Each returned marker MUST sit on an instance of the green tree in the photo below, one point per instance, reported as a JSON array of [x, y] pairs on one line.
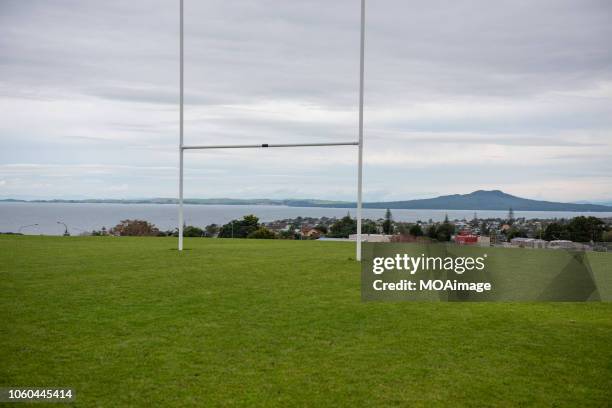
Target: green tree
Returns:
[[343, 227], [240, 228], [402, 228], [510, 216], [515, 233], [555, 231], [287, 234], [443, 231], [262, 233], [321, 228], [416, 230], [211, 230], [388, 223], [368, 227], [539, 233], [191, 231], [432, 231], [586, 229]]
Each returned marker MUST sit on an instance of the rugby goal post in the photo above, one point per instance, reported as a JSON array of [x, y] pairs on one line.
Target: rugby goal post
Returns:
[[358, 143]]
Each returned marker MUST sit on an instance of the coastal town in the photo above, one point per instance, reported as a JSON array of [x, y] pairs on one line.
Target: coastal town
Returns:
[[583, 233]]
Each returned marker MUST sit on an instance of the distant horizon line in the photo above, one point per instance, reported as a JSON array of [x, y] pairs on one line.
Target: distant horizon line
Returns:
[[280, 201]]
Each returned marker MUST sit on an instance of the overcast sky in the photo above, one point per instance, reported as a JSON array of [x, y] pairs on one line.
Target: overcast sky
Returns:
[[460, 95]]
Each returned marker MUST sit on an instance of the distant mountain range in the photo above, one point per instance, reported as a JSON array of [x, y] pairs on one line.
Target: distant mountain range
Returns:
[[477, 200], [488, 200]]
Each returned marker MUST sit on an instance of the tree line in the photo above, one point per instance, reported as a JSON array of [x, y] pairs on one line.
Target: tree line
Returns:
[[578, 229]]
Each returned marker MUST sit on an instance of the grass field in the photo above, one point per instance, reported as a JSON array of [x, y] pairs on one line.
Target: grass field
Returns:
[[133, 322]]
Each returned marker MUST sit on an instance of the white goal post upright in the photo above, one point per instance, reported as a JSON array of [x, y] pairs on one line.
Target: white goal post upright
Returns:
[[360, 149], [359, 143], [181, 220]]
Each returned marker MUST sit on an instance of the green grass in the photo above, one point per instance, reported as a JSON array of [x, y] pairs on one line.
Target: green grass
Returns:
[[133, 322]]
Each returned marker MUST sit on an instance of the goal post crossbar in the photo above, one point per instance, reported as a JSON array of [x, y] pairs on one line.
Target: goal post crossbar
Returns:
[[268, 145]]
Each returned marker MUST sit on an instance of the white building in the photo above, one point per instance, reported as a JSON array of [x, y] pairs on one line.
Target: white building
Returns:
[[371, 237], [561, 243], [522, 242], [528, 243], [484, 241]]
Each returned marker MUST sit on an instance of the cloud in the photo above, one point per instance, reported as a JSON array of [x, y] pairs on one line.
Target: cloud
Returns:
[[459, 96]]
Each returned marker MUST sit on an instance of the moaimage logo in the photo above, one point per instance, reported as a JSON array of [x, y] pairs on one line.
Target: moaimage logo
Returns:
[[412, 264]]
